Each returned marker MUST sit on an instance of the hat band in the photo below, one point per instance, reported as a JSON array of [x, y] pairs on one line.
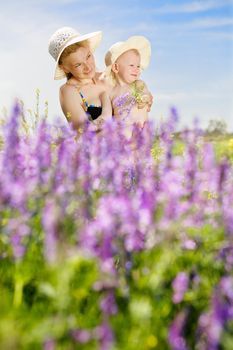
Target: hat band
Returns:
[[65, 43]]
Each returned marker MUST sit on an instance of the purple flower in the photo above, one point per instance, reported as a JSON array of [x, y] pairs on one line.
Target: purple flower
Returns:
[[176, 331], [81, 336], [18, 231], [49, 344], [50, 222], [226, 286], [189, 244], [212, 323], [18, 248], [226, 255], [180, 285], [12, 140], [108, 303], [105, 336]]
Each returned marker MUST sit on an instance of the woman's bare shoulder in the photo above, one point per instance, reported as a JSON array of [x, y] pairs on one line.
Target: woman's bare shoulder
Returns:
[[69, 96], [67, 89]]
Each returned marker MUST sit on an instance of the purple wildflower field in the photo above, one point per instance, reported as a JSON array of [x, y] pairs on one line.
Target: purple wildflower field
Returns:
[[113, 244]]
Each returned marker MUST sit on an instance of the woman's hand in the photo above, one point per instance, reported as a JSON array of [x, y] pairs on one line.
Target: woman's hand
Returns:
[[97, 124]]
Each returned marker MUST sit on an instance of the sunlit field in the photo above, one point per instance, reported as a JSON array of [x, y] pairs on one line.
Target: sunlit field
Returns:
[[107, 243]]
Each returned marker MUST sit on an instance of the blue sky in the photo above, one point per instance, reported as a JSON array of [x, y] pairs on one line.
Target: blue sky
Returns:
[[192, 50]]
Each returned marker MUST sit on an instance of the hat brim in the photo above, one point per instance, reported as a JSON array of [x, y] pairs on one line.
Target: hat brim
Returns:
[[137, 42], [93, 39], [142, 45]]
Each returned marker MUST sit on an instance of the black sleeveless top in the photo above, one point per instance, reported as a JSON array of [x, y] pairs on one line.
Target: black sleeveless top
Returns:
[[92, 110]]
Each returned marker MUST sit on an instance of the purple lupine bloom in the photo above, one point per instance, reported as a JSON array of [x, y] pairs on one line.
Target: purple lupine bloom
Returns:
[[18, 248], [176, 332], [227, 204], [49, 344], [15, 192], [43, 154], [180, 285], [189, 244], [226, 286], [212, 323], [222, 176], [108, 303], [191, 172], [50, 221], [226, 255], [105, 336], [81, 336], [209, 161], [168, 127], [18, 230], [12, 141], [210, 328], [13, 184], [134, 240]]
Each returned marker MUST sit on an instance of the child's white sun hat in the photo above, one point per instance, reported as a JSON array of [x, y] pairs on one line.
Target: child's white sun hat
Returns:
[[137, 42], [65, 37]]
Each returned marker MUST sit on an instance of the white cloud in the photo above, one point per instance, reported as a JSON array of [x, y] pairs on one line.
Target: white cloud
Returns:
[[223, 27], [193, 6], [172, 96], [215, 35], [211, 22], [177, 96]]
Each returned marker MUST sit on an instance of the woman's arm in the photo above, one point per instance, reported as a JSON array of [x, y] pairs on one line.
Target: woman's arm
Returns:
[[106, 105], [106, 111], [71, 105]]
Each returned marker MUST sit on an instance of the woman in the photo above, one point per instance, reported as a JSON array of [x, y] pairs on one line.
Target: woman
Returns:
[[83, 96]]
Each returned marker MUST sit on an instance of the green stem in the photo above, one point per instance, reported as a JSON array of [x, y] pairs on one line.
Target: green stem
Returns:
[[18, 293]]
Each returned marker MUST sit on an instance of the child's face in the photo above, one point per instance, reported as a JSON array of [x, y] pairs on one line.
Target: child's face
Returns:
[[127, 66]]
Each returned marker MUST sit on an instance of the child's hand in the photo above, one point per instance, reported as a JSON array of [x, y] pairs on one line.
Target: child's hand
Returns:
[[146, 99]]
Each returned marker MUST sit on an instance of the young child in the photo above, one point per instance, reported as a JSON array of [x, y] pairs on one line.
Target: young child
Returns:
[[130, 97]]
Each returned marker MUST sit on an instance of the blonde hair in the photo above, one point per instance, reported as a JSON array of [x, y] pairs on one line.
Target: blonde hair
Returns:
[[110, 77], [71, 49]]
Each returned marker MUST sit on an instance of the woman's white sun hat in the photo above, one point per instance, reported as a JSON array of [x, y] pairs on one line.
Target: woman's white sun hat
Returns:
[[65, 37], [137, 42]]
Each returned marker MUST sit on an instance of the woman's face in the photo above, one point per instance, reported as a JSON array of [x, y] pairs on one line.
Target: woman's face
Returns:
[[81, 64]]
